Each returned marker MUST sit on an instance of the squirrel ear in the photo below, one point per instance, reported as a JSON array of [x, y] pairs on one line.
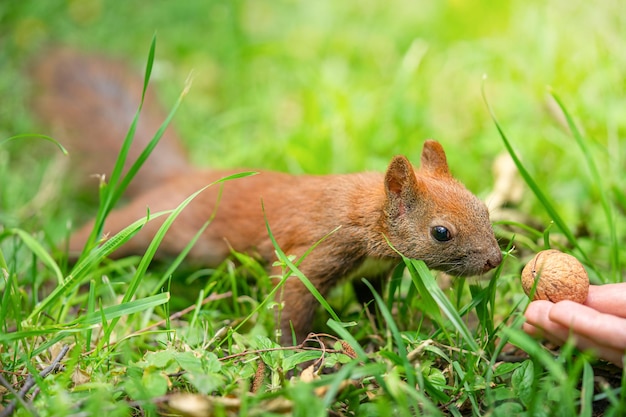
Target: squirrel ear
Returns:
[[400, 177], [401, 187], [434, 159]]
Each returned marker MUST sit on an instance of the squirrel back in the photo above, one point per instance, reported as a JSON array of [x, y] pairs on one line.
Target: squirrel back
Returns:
[[355, 222]]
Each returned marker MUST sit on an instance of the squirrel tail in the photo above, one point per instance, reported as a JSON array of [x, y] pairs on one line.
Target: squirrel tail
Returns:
[[89, 102]]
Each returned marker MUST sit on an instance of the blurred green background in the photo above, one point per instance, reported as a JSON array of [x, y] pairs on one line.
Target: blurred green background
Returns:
[[336, 86]]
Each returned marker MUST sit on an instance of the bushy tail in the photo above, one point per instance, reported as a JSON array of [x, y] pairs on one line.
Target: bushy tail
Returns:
[[89, 102]]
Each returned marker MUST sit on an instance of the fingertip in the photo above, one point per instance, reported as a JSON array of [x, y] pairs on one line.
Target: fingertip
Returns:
[[538, 310], [532, 330]]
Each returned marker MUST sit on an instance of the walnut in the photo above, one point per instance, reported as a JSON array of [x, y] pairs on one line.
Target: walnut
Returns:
[[561, 277]]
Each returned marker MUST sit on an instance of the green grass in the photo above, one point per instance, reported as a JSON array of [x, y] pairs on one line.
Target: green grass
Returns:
[[320, 87]]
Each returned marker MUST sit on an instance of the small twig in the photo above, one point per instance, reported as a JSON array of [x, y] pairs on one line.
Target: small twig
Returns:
[[9, 387], [31, 381]]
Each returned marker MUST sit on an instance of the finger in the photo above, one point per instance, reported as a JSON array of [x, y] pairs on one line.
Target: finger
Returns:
[[538, 322], [539, 333], [532, 330], [604, 329], [608, 298], [615, 356]]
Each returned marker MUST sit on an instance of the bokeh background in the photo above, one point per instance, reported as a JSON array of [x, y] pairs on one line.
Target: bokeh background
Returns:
[[335, 86]]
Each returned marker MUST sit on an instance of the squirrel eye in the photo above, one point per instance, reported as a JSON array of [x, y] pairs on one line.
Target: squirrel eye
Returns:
[[440, 233]]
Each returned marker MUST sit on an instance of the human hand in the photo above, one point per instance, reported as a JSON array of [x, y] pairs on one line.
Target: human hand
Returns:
[[599, 324]]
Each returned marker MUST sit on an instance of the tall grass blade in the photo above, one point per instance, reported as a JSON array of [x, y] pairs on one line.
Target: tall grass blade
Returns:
[[91, 308], [120, 310], [424, 280], [156, 241], [520, 339], [295, 271], [341, 331], [85, 265], [598, 180], [395, 333], [149, 255], [39, 252], [181, 256], [150, 147], [109, 192], [545, 201], [91, 319], [586, 394]]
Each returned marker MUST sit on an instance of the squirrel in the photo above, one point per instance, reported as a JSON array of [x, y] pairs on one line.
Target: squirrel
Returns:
[[89, 100]]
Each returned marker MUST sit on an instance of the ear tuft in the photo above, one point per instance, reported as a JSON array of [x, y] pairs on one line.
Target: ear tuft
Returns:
[[434, 159]]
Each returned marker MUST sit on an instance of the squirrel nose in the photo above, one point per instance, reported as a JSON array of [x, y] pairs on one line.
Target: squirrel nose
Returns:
[[493, 261]]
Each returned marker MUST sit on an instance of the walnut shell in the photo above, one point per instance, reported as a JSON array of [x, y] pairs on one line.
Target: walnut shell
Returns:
[[561, 277]]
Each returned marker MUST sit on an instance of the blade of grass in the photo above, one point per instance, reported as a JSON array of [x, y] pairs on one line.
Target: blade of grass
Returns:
[[119, 190], [84, 266], [37, 136], [541, 196], [120, 310], [9, 296], [413, 377], [586, 394], [292, 271], [109, 191], [345, 335], [282, 257], [91, 319], [534, 349], [596, 179], [427, 304], [179, 259], [338, 379], [152, 248], [427, 285], [91, 308], [181, 256], [39, 251], [154, 245], [395, 333]]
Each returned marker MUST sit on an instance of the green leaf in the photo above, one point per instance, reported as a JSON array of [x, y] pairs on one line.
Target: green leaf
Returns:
[[154, 382], [522, 381]]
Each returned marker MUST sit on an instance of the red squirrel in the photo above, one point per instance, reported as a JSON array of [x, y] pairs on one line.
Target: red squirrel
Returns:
[[424, 213]]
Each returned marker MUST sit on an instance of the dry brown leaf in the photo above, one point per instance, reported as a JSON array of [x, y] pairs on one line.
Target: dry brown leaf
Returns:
[[278, 405], [80, 377], [309, 374], [321, 391], [192, 405]]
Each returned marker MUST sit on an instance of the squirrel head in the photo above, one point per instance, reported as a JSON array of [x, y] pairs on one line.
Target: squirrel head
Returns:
[[431, 216]]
